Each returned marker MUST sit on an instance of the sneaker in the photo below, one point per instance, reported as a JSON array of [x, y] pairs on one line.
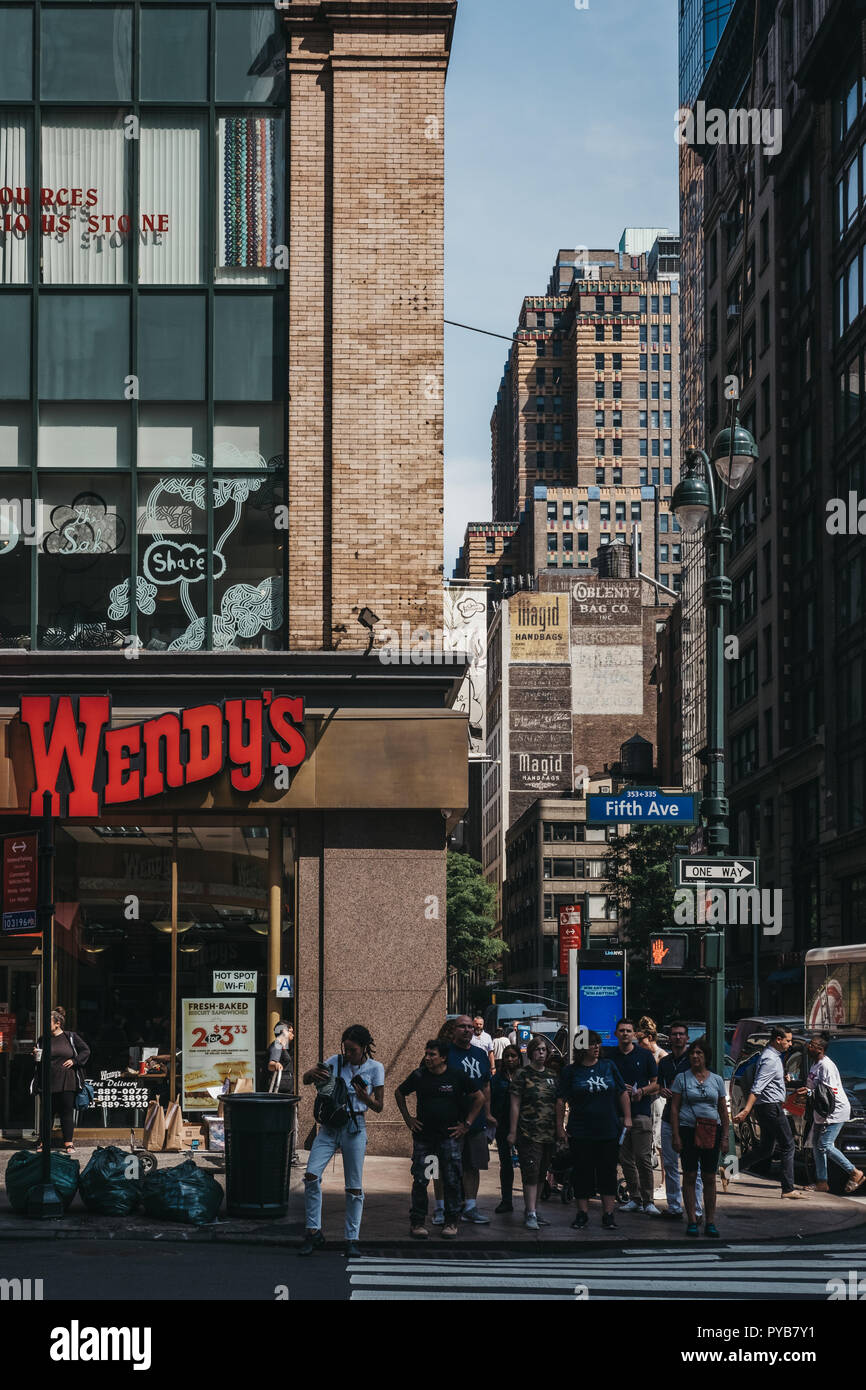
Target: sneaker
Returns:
[[449, 1232], [476, 1217], [418, 1232], [541, 1220], [503, 1207], [313, 1240], [675, 1213], [608, 1221], [530, 1221], [651, 1209], [631, 1206], [711, 1231], [439, 1216], [581, 1220], [353, 1250]]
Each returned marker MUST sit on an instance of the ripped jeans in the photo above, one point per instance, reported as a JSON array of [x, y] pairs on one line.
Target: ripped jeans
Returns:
[[353, 1146]]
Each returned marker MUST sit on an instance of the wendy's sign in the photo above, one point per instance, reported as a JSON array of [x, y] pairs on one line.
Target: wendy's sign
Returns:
[[82, 761]]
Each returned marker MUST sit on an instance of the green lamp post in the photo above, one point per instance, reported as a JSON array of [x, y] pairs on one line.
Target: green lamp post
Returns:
[[701, 499]]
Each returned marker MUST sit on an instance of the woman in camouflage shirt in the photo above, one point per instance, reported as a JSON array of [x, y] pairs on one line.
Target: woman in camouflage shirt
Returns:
[[533, 1123]]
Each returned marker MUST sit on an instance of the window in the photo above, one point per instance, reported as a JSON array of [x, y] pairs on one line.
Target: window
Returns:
[[489, 545], [173, 54], [552, 540], [655, 391], [663, 522], [666, 448], [617, 303], [599, 332], [667, 362], [642, 304], [617, 475], [643, 332], [599, 303], [539, 461], [768, 652], [539, 432], [617, 419], [666, 304], [567, 511], [551, 511], [764, 236], [599, 448], [604, 511], [744, 753], [540, 376], [599, 419], [617, 333], [642, 390], [642, 420], [655, 448], [248, 43], [16, 53], [616, 390], [617, 357], [557, 434], [643, 448], [663, 554], [765, 405], [654, 419], [582, 541], [643, 362], [635, 511], [599, 361], [654, 304], [745, 598], [568, 541], [599, 475], [666, 419], [540, 349], [599, 390], [87, 54], [617, 448], [539, 403], [744, 677], [619, 511], [666, 390], [768, 568]]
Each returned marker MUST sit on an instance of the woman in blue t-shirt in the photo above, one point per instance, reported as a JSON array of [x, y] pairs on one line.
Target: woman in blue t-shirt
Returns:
[[598, 1109]]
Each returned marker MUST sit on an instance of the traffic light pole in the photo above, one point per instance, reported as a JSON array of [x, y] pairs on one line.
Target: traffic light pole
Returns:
[[43, 1200]]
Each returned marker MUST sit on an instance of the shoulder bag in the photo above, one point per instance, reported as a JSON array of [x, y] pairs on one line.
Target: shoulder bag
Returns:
[[705, 1130], [85, 1095]]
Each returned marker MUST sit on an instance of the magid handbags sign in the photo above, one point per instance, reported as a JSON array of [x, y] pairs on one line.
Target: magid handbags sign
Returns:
[[81, 760]]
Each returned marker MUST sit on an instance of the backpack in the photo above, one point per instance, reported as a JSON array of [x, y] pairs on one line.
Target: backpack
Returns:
[[823, 1100], [333, 1103]]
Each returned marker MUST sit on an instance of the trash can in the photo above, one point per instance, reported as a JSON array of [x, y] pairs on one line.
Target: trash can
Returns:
[[258, 1135]]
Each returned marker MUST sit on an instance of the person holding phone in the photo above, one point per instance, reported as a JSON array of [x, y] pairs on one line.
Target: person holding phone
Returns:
[[365, 1080]]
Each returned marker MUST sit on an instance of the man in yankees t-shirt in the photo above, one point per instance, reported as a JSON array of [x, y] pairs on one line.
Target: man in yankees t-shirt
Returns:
[[474, 1063]]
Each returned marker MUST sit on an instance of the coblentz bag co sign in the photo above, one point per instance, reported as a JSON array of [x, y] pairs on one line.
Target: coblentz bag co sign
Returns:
[[112, 766]]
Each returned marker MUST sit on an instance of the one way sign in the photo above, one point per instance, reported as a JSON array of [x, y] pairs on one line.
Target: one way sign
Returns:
[[692, 870]]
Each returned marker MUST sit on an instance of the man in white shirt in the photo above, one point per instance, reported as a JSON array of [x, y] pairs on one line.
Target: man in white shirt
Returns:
[[825, 1128], [500, 1042], [483, 1040], [767, 1098]]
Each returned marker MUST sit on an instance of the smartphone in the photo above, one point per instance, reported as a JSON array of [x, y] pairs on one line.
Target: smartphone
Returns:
[[361, 1080]]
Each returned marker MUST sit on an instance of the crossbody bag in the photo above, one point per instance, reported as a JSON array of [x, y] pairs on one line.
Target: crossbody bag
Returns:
[[706, 1131]]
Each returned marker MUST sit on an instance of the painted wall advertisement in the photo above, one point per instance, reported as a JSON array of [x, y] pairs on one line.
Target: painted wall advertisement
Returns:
[[218, 1046], [539, 628]]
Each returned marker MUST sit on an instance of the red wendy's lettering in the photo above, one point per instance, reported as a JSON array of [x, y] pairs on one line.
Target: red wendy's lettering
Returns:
[[81, 760]]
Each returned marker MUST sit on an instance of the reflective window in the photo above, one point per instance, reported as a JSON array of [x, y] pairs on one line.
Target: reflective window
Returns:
[[87, 53], [16, 53], [83, 346], [173, 54], [250, 56]]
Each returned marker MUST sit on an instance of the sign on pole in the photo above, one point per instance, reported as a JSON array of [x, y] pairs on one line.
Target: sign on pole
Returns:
[[643, 806], [693, 870], [570, 927], [284, 987], [20, 884]]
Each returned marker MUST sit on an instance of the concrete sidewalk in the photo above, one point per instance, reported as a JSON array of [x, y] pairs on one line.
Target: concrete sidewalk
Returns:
[[751, 1210]]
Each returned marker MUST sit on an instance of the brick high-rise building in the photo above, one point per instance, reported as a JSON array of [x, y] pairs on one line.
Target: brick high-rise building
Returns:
[[588, 409]]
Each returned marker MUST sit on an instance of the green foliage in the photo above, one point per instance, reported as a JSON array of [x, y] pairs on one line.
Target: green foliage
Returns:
[[639, 868], [471, 916]]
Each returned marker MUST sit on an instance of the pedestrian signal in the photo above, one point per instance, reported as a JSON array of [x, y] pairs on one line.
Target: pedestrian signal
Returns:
[[668, 951]]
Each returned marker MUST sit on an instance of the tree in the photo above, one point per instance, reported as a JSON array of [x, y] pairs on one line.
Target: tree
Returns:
[[471, 916], [639, 869]]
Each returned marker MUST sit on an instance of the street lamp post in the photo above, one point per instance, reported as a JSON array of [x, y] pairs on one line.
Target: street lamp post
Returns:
[[703, 501]]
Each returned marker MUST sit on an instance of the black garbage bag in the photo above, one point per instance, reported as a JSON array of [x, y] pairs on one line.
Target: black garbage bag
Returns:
[[111, 1183], [183, 1193], [24, 1170]]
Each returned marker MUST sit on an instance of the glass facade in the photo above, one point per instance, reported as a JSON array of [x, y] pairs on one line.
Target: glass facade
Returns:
[[143, 293], [701, 25]]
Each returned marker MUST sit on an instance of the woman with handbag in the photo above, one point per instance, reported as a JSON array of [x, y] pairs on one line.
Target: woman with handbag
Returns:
[[69, 1056], [699, 1130], [349, 1083]]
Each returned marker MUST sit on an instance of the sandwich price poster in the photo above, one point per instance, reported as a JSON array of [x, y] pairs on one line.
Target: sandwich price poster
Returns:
[[218, 1046]]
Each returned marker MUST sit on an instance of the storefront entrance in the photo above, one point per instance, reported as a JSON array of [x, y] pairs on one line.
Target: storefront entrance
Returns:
[[19, 1013]]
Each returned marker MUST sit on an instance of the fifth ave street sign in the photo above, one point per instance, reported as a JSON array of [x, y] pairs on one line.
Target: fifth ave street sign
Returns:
[[741, 872]]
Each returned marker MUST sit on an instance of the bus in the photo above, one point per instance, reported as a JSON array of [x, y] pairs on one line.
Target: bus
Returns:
[[836, 987]]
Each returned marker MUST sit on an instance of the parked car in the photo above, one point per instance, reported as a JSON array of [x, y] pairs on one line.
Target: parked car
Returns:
[[847, 1048], [747, 1027]]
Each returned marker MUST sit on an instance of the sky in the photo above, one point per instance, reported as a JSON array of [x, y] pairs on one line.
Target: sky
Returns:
[[559, 132]]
